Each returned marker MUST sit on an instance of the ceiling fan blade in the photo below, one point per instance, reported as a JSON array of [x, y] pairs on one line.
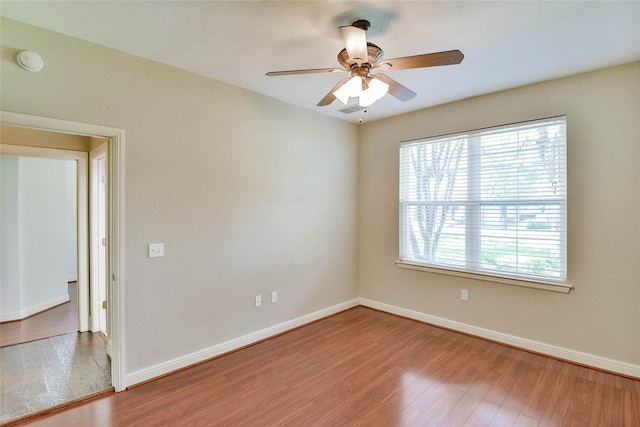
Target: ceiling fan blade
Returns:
[[355, 41], [397, 90], [330, 97], [310, 71], [449, 57]]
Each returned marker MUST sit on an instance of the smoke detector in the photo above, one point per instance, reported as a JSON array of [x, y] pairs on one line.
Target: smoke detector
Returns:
[[29, 60]]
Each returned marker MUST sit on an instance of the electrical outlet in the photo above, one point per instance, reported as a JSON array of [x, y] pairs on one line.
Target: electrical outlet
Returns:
[[156, 250], [274, 296], [464, 294], [258, 300]]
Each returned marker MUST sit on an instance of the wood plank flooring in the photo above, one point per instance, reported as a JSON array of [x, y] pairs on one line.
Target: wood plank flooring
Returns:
[[59, 320], [366, 368]]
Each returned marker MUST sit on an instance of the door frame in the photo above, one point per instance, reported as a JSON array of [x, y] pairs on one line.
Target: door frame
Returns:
[[115, 225]]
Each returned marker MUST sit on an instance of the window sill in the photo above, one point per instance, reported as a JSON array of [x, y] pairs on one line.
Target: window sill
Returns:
[[545, 286]]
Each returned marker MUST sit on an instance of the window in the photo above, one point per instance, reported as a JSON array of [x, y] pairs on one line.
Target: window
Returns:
[[491, 201]]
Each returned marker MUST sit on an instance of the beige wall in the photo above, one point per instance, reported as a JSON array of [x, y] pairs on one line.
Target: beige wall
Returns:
[[601, 316], [247, 193]]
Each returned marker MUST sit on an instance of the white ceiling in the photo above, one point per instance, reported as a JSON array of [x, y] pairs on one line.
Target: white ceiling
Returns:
[[506, 44]]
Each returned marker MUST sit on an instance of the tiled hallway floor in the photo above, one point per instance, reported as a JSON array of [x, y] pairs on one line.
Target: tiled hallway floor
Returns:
[[46, 373]]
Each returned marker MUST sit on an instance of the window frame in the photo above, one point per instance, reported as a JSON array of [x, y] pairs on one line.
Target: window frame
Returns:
[[472, 255]]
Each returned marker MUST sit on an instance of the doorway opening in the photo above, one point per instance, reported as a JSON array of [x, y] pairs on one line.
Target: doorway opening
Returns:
[[113, 224], [48, 357]]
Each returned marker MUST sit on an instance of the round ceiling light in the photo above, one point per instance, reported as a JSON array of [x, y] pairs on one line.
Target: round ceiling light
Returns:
[[29, 60]]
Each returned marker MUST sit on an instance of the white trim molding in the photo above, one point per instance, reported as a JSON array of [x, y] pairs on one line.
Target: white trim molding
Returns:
[[569, 355], [545, 286], [187, 360]]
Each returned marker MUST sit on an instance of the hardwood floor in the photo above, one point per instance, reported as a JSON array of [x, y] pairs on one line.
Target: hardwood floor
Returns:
[[55, 321], [366, 368]]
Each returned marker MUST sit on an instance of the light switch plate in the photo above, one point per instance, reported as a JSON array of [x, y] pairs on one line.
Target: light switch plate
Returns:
[[156, 250]]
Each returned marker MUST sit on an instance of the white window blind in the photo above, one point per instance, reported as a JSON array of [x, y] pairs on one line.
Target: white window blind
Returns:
[[491, 201]]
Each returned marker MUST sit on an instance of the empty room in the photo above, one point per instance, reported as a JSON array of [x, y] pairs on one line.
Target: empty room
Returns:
[[336, 213]]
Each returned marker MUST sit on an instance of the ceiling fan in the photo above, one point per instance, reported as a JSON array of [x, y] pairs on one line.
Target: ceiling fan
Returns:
[[361, 57]]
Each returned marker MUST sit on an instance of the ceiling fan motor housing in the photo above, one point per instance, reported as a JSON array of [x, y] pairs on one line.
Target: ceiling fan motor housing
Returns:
[[374, 54]]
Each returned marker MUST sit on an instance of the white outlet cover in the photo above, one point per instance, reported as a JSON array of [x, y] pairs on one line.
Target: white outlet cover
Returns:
[[156, 250]]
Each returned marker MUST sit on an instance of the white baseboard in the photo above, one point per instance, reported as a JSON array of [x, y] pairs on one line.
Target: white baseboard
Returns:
[[34, 309], [581, 358], [234, 344]]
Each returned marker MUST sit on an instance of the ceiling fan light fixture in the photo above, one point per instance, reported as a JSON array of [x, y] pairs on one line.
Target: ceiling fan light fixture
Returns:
[[350, 89], [378, 88], [366, 98]]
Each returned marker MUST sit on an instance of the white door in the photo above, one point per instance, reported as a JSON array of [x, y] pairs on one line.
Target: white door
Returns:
[[98, 241], [102, 250]]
